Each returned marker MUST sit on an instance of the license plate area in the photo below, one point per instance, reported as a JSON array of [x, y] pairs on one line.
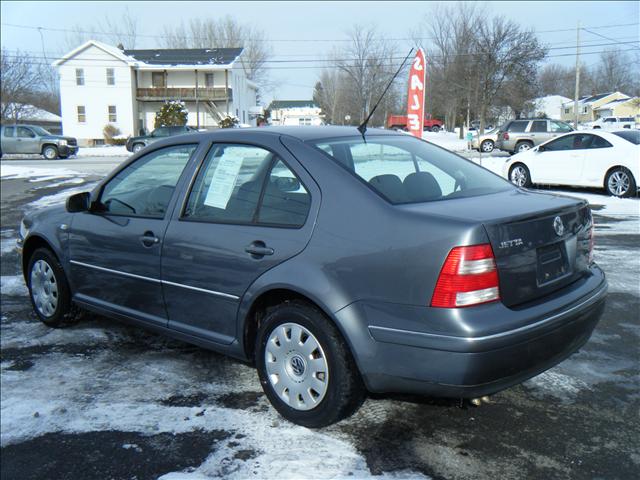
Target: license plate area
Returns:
[[552, 263]]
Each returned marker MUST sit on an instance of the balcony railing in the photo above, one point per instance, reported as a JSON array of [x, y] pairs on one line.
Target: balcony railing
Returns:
[[203, 93]]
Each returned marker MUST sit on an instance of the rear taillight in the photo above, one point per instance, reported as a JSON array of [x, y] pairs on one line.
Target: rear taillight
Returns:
[[591, 241], [468, 277], [505, 136]]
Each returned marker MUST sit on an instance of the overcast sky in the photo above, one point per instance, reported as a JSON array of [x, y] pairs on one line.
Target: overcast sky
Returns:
[[303, 30]]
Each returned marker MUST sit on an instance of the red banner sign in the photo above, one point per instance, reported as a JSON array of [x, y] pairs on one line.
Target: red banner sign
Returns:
[[416, 96]]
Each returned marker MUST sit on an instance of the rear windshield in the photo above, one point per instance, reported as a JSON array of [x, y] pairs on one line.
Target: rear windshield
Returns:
[[404, 169], [632, 136]]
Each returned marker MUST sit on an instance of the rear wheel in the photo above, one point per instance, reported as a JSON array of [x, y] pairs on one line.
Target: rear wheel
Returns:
[[137, 147], [50, 152], [519, 175], [48, 288], [620, 182], [487, 146], [305, 367], [523, 146], [435, 129]]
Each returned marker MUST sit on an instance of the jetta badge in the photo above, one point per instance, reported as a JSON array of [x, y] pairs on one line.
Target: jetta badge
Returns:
[[558, 226]]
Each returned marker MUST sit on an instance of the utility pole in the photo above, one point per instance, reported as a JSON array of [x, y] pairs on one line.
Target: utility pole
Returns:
[[577, 93]]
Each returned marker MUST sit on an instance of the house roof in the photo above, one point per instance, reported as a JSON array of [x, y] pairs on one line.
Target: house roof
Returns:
[[186, 56], [589, 99], [280, 104], [613, 103], [29, 113], [116, 52]]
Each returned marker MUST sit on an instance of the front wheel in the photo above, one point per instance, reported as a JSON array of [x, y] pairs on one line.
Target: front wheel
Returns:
[[50, 152], [519, 175], [137, 147], [620, 183], [305, 367], [48, 288], [487, 146]]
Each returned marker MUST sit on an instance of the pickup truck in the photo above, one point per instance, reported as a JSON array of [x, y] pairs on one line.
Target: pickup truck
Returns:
[[135, 144], [612, 123], [399, 122], [35, 139]]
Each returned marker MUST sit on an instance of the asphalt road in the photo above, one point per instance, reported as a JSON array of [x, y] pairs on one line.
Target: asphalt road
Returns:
[[101, 399]]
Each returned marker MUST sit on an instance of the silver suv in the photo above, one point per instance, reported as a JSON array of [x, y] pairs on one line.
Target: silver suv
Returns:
[[35, 139], [520, 135]]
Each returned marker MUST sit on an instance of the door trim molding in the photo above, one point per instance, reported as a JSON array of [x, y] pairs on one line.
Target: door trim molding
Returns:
[[156, 280]]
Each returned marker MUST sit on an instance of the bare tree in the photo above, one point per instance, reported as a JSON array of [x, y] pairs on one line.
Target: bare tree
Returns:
[[19, 79], [554, 79], [329, 93], [117, 31], [615, 72], [225, 32]]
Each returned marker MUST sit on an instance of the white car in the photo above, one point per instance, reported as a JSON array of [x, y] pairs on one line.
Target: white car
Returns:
[[611, 123], [609, 160]]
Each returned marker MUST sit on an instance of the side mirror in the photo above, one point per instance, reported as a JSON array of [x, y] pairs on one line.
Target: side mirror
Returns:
[[79, 202], [287, 184], [541, 148]]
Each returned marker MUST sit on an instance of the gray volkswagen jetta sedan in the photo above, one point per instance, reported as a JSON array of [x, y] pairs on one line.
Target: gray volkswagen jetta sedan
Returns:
[[337, 263]]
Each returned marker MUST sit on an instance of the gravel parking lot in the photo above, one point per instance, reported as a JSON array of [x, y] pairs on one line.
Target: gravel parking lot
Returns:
[[101, 399]]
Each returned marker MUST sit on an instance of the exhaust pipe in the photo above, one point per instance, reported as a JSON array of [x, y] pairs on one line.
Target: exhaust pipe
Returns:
[[476, 402]]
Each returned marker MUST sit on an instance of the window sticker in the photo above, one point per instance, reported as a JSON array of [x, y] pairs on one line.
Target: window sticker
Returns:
[[224, 178]]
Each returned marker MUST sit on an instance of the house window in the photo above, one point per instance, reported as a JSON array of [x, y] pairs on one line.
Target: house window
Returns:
[[112, 114], [567, 110], [158, 79], [111, 78], [304, 121], [82, 114], [585, 110], [208, 80], [79, 76]]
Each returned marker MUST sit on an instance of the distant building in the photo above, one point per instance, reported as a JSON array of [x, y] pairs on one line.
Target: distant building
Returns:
[[294, 112], [588, 105], [25, 113], [622, 107], [101, 84], [548, 107]]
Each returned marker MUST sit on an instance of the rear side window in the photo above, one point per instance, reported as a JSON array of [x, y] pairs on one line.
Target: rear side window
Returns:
[[246, 184], [9, 131], [598, 142], [560, 127], [538, 126], [403, 169], [518, 126]]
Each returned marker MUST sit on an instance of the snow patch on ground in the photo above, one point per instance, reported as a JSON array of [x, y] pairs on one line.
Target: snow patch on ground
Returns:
[[59, 197], [623, 270], [447, 140], [13, 285], [491, 163], [106, 151], [563, 387], [7, 241], [36, 174]]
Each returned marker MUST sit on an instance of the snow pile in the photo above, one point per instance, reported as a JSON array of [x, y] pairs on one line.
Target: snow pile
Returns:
[[105, 151], [447, 140]]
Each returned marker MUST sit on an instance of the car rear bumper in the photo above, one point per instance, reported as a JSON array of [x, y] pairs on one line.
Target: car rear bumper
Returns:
[[401, 355]]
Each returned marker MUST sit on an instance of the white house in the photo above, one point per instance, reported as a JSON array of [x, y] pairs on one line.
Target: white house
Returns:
[[101, 85], [294, 112], [549, 107]]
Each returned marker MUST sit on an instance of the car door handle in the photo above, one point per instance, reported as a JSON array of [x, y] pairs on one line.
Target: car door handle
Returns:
[[258, 249], [149, 239]]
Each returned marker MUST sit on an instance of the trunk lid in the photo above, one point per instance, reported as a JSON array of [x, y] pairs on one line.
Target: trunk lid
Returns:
[[534, 254]]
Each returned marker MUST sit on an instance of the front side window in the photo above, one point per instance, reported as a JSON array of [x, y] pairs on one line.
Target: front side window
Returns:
[[113, 117], [79, 76], [158, 79], [518, 126], [247, 185], [407, 170], [24, 132], [111, 78], [560, 127], [82, 114], [578, 141], [539, 126], [145, 188], [609, 120], [160, 132]]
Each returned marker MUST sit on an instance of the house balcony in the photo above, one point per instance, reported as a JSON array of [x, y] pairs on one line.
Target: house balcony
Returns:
[[159, 94]]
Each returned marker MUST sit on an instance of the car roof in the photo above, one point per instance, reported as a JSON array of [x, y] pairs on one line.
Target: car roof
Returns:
[[303, 133]]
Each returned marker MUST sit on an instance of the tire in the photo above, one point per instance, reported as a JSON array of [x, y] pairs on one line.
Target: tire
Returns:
[[435, 129], [619, 182], [137, 147], [519, 175], [48, 289], [337, 391], [50, 152], [487, 146], [523, 146]]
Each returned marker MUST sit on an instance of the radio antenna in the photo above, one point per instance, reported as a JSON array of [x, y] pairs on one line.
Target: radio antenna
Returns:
[[363, 126]]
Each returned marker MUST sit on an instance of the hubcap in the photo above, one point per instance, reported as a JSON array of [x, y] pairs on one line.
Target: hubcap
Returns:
[[49, 153], [519, 176], [44, 288], [524, 147], [619, 183], [487, 147], [296, 366], [137, 147]]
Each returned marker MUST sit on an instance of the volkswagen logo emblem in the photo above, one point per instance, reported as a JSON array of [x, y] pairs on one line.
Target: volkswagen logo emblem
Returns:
[[558, 226], [297, 365]]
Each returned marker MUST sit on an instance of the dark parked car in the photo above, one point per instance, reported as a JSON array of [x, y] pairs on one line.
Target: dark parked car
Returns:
[[338, 263], [135, 144], [36, 140]]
